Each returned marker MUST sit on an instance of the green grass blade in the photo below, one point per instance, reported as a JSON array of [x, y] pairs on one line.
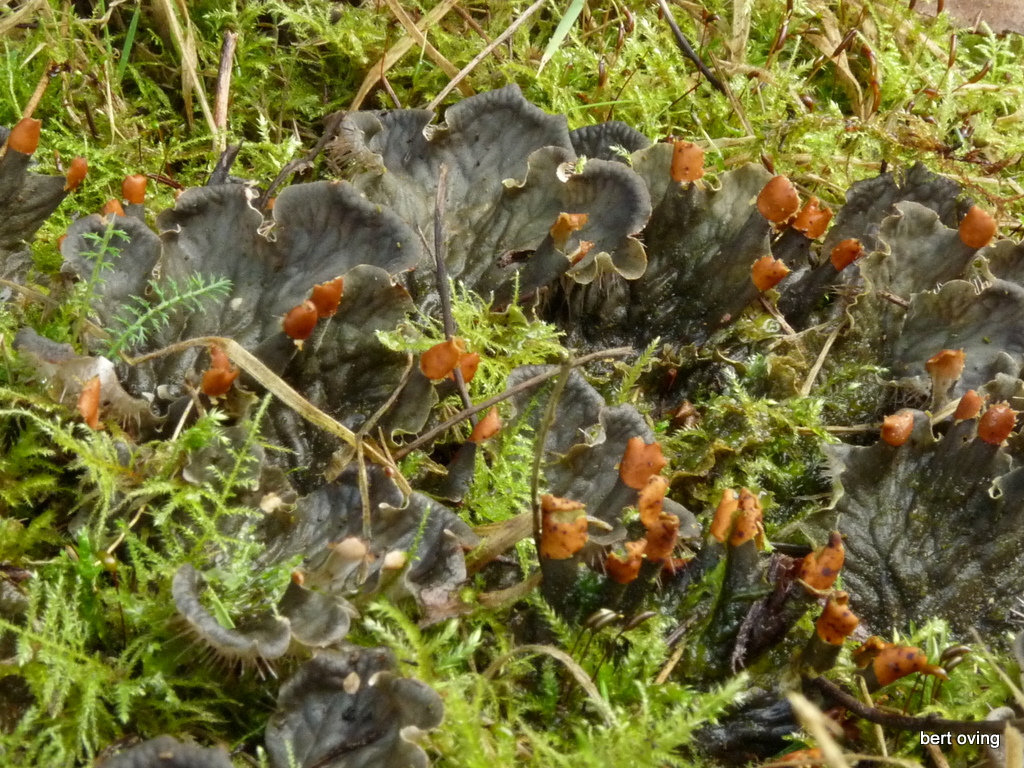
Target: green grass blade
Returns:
[[561, 31], [129, 38]]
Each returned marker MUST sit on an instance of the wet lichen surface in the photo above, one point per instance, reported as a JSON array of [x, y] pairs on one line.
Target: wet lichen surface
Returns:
[[575, 410]]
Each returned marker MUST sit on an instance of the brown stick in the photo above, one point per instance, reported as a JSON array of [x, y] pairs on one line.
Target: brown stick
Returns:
[[475, 27], [931, 723], [331, 124], [899, 301], [390, 91], [37, 95], [223, 92], [687, 49]]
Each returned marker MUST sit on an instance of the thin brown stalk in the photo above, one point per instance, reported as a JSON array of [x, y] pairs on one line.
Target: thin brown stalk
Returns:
[[364, 486], [899, 301], [90, 326], [522, 386], [379, 413], [331, 124], [443, 288], [391, 92], [541, 439], [670, 665], [23, 14], [468, 18], [856, 429], [865, 696], [779, 318], [819, 728], [498, 538], [502, 598]]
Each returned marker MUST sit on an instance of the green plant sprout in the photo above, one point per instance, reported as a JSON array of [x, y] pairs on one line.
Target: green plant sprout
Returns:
[[102, 256], [134, 325]]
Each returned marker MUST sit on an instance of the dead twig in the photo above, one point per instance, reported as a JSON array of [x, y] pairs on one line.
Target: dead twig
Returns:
[[930, 723], [475, 27], [52, 303], [390, 91], [670, 665], [223, 91], [52, 70], [331, 124], [899, 301], [364, 486], [22, 14], [779, 318], [866, 697], [820, 728], [379, 413], [32, 293], [502, 598], [498, 538], [856, 429], [687, 49]]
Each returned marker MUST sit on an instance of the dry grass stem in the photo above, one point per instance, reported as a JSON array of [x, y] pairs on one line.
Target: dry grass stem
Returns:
[[805, 389], [23, 14], [184, 41], [421, 40], [397, 51], [280, 389], [484, 53], [570, 664]]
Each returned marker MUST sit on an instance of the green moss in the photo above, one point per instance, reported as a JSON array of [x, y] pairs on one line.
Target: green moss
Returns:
[[527, 710], [769, 445]]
